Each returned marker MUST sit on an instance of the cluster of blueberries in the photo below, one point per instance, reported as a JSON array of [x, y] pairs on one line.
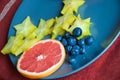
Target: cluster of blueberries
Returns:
[[73, 46]]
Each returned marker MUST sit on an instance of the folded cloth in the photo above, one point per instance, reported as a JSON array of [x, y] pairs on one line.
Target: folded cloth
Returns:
[[107, 67]]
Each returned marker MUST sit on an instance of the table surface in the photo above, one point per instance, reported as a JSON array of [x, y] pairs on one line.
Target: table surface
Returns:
[[107, 67]]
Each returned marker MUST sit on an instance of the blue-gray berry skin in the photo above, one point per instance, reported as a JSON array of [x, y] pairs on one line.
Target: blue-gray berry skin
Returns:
[[64, 42], [77, 32], [81, 42], [74, 61], [76, 47], [89, 40], [71, 41], [75, 50], [68, 48], [67, 35], [82, 51], [59, 37]]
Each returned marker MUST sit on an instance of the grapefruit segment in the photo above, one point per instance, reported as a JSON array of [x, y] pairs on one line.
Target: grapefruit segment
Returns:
[[42, 59]]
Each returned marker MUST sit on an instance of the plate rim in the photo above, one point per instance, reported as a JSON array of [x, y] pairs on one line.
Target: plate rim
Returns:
[[116, 35]]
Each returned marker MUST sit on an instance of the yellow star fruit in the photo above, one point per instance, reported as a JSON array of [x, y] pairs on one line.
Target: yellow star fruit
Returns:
[[84, 24], [62, 23], [71, 5]]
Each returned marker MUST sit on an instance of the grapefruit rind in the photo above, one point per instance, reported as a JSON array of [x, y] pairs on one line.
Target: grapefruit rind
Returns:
[[36, 75]]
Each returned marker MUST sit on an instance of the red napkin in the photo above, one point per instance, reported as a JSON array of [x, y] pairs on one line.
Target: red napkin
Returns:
[[107, 67]]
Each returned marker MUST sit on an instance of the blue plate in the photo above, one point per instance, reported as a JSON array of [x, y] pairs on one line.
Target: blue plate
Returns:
[[104, 14]]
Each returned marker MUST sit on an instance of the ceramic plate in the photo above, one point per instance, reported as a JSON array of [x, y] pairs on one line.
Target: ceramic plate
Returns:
[[104, 14]]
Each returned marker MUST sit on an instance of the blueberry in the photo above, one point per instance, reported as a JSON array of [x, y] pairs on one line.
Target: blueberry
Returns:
[[59, 37], [89, 40], [75, 50], [72, 60], [68, 48], [64, 42], [71, 41], [81, 42], [76, 47], [82, 51], [77, 32], [67, 34]]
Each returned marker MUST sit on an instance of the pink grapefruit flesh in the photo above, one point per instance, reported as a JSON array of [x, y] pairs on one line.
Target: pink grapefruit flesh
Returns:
[[41, 58]]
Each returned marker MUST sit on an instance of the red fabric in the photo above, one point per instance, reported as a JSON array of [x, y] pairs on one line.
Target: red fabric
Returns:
[[107, 67]]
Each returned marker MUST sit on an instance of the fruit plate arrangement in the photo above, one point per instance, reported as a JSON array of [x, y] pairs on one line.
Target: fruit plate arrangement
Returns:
[[104, 15]]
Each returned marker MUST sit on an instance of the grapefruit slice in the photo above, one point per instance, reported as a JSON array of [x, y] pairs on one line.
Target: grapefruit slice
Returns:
[[42, 59]]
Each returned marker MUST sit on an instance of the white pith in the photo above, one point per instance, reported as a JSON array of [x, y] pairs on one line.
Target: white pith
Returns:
[[41, 57]]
